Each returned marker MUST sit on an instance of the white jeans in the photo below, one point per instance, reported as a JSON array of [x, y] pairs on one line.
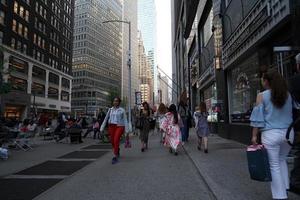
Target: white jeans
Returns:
[[278, 149]]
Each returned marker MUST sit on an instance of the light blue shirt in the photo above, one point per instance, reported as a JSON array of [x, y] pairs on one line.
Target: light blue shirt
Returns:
[[116, 116], [267, 116]]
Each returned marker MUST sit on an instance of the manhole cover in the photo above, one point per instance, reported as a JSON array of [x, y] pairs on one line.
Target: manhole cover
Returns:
[[24, 189], [98, 147], [55, 168], [84, 154]]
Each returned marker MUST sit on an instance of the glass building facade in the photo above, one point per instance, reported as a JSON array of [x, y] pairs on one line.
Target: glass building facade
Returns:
[[97, 55]]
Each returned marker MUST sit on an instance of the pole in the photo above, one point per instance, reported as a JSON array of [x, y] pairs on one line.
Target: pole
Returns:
[[129, 77]]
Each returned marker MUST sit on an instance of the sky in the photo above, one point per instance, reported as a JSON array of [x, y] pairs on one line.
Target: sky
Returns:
[[164, 52]]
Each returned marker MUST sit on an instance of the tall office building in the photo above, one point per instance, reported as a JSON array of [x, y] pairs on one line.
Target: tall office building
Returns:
[[147, 26], [145, 75], [36, 52], [97, 55], [130, 14]]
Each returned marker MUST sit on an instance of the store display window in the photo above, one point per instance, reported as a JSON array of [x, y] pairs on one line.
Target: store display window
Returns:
[[244, 85]]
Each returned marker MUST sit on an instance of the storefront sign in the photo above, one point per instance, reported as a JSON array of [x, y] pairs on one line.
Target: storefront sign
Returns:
[[262, 19], [253, 26]]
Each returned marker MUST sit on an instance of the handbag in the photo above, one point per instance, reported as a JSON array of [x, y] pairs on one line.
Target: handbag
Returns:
[[152, 123], [139, 123], [258, 163]]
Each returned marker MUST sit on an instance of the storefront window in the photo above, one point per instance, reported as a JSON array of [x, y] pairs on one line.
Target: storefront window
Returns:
[[244, 85], [210, 98]]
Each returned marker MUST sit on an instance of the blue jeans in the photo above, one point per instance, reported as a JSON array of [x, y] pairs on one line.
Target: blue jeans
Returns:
[[185, 130]]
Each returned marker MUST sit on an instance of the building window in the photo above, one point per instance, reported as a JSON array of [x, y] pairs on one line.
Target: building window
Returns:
[[18, 83], [2, 16], [53, 78], [1, 36], [244, 85], [17, 65], [14, 25], [38, 89], [65, 96], [52, 93], [38, 73]]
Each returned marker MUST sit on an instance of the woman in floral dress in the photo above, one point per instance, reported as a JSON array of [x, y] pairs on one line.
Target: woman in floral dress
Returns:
[[171, 126]]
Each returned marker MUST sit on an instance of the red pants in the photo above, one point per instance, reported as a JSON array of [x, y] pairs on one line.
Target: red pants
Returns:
[[115, 133]]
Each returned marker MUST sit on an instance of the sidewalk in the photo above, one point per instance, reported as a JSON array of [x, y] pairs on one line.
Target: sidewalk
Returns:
[[43, 150], [225, 170]]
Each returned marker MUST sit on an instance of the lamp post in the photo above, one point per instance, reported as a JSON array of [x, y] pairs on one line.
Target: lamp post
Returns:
[[129, 67]]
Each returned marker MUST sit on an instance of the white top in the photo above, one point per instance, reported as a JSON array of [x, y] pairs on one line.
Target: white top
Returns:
[[116, 116]]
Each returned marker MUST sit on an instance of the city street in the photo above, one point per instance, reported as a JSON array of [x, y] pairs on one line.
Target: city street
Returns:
[[154, 174]]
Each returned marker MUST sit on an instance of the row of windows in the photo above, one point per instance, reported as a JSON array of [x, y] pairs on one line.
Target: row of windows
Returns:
[[18, 45], [19, 28], [41, 10], [21, 11], [39, 41], [39, 25]]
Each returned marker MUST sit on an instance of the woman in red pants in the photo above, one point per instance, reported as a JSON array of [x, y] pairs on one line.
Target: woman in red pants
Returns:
[[117, 124]]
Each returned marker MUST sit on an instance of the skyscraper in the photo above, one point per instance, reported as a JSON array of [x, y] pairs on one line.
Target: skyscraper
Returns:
[[130, 14], [36, 40], [147, 26], [145, 74], [97, 55]]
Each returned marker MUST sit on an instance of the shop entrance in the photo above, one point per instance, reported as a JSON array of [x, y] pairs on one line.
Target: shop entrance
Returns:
[[284, 57], [14, 111]]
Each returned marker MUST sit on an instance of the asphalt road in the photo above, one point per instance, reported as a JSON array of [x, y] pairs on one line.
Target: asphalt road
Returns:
[[154, 174]]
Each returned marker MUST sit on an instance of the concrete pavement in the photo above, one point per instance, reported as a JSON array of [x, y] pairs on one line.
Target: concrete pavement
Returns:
[[225, 170], [154, 174]]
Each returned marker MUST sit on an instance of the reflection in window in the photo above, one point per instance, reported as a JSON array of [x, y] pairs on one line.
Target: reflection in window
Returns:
[[53, 93], [244, 85], [39, 73], [18, 65], [65, 96], [18, 84], [38, 89]]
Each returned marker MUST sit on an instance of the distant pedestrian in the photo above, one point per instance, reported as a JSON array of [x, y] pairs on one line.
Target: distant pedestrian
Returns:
[[160, 116], [273, 114], [171, 126], [145, 117], [101, 116], [183, 111], [117, 124], [201, 126]]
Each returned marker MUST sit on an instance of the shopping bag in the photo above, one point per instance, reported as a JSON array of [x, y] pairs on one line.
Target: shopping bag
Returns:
[[258, 163], [127, 142]]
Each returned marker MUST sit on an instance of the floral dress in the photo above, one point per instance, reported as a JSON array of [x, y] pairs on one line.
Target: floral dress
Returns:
[[173, 134]]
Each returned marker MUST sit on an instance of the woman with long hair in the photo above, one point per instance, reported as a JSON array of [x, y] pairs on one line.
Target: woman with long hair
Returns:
[[171, 126], [184, 113], [202, 129], [145, 116], [160, 115], [117, 124], [273, 115]]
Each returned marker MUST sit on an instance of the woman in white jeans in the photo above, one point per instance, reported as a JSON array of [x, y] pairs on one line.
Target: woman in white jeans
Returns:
[[273, 115]]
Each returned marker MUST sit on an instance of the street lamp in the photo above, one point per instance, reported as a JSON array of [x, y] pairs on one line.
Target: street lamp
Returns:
[[129, 67]]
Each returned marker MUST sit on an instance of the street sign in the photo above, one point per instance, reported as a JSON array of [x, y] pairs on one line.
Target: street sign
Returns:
[[138, 98]]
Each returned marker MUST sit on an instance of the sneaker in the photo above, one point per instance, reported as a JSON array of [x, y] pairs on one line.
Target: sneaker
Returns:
[[176, 153], [205, 151], [142, 149], [114, 160]]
